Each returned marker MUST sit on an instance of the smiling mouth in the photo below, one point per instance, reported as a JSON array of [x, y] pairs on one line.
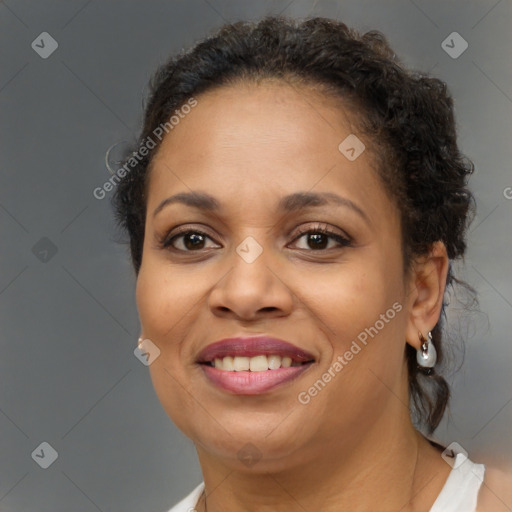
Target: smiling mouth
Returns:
[[253, 365], [243, 375], [258, 363]]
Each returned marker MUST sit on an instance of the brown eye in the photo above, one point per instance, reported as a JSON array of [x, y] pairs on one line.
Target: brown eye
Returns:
[[318, 239], [187, 241]]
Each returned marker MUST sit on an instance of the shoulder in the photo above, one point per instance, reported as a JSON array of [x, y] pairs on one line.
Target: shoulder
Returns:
[[496, 491]]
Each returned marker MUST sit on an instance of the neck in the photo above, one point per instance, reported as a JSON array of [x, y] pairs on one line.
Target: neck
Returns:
[[389, 469]]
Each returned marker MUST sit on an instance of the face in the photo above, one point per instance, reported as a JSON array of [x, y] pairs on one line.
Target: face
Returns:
[[325, 276]]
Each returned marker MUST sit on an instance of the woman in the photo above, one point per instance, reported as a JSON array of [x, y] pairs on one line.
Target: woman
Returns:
[[293, 208]]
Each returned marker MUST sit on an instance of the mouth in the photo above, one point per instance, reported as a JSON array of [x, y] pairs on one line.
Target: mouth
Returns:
[[251, 366], [258, 363]]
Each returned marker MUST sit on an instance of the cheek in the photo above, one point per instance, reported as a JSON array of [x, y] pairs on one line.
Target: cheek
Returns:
[[163, 298], [346, 299], [162, 302], [362, 307], [149, 294]]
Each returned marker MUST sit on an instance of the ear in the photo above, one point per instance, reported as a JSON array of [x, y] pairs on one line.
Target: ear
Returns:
[[426, 287]]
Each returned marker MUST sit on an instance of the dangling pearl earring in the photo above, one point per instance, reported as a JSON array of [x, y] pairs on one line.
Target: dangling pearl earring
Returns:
[[426, 355]]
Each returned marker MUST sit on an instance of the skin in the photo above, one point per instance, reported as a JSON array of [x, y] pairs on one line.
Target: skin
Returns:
[[352, 447]]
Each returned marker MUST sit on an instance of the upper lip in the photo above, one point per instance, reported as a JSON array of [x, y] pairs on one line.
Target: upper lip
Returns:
[[253, 346]]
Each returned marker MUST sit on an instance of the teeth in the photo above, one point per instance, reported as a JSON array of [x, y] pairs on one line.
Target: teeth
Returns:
[[228, 363], [259, 363], [241, 364], [286, 362], [274, 362]]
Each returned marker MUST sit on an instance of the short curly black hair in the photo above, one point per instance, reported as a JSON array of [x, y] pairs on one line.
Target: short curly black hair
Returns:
[[407, 114]]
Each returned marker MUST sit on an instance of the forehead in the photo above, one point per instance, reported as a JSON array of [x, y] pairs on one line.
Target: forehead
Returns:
[[263, 141], [249, 114]]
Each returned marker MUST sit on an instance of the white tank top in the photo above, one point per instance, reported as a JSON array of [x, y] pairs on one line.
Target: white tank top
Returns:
[[459, 493]]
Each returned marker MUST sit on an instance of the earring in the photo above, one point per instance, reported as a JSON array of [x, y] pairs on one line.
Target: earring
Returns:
[[426, 355]]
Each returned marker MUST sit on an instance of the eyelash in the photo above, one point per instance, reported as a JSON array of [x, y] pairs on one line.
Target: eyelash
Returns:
[[343, 241], [166, 242]]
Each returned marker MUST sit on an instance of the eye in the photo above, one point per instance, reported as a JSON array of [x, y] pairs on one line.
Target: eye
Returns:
[[186, 240], [318, 238]]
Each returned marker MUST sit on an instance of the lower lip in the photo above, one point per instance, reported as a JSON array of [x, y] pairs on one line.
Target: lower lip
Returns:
[[252, 383]]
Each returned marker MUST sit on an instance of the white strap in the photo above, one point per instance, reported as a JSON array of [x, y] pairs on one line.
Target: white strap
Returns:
[[188, 503], [460, 492]]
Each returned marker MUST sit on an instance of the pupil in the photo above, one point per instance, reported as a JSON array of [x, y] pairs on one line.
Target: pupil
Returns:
[[196, 240], [316, 237]]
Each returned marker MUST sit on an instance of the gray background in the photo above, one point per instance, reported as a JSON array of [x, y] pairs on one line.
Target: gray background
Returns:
[[68, 375]]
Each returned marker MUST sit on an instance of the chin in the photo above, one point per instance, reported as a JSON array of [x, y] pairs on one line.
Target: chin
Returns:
[[256, 456], [237, 441]]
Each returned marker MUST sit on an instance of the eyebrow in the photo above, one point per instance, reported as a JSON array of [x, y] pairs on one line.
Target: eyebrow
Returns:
[[289, 203]]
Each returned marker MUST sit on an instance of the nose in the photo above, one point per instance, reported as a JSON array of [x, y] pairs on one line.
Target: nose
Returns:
[[252, 290]]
